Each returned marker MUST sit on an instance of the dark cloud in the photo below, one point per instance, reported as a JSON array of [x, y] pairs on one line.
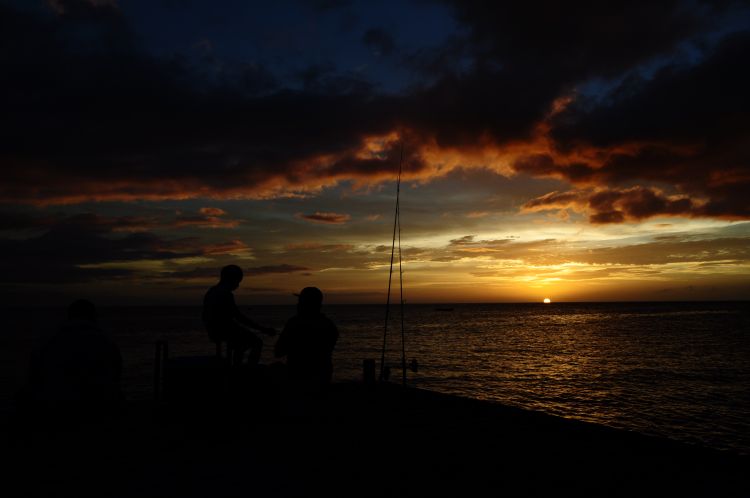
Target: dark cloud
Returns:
[[465, 240], [470, 241], [318, 247], [24, 221], [732, 250], [636, 203], [725, 247], [379, 40], [326, 218], [573, 41], [70, 252], [686, 127], [619, 205], [123, 125], [86, 247], [85, 9], [88, 115], [544, 251], [527, 54], [270, 269], [326, 79], [204, 273], [10, 221], [207, 217], [452, 56], [682, 102], [325, 5], [201, 273], [555, 200], [234, 247], [251, 79]]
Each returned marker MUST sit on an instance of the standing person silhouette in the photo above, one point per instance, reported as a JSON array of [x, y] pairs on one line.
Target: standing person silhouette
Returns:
[[225, 322], [307, 341], [77, 371]]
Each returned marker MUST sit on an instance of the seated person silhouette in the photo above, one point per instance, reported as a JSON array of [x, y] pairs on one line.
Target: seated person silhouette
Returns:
[[78, 370], [225, 322], [307, 342]]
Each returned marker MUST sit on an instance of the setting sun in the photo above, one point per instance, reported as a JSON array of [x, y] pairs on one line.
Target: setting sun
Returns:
[[547, 300]]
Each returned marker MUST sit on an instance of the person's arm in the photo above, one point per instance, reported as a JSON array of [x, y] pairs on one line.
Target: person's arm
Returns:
[[281, 348], [333, 335], [246, 321]]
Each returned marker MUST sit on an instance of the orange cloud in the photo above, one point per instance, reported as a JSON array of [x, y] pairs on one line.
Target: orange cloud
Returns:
[[315, 246], [209, 217], [235, 247], [375, 158], [212, 211], [327, 218]]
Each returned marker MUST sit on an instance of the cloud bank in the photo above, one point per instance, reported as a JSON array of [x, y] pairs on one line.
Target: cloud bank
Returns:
[[642, 108]]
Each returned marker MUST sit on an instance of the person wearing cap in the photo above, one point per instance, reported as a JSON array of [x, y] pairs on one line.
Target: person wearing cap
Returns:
[[225, 322], [307, 342]]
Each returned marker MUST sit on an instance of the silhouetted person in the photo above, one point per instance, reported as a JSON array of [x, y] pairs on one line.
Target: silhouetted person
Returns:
[[78, 370], [225, 322], [307, 342]]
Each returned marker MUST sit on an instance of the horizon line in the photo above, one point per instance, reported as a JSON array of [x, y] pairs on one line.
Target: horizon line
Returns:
[[436, 303]]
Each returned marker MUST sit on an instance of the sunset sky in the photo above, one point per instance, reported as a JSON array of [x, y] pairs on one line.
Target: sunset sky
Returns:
[[577, 153]]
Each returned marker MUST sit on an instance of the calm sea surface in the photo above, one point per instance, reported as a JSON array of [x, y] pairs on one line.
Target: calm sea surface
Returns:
[[680, 370]]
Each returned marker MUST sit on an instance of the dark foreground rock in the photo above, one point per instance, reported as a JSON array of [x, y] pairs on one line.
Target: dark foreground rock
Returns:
[[361, 441]]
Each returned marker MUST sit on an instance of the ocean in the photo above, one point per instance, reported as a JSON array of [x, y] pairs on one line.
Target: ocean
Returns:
[[677, 370]]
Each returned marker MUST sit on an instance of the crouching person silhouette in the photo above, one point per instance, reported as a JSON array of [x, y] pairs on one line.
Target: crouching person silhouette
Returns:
[[307, 342], [225, 322], [77, 371]]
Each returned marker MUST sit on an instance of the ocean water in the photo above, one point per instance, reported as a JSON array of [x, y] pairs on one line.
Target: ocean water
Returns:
[[678, 370]]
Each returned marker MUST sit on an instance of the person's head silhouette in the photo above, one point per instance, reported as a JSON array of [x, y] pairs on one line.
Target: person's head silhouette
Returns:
[[310, 300], [231, 276], [82, 309]]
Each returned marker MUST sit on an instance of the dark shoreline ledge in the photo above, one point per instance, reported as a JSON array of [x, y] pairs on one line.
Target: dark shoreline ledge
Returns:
[[363, 441]]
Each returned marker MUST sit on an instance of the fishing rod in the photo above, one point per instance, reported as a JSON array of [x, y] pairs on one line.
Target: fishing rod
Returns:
[[401, 271], [396, 231]]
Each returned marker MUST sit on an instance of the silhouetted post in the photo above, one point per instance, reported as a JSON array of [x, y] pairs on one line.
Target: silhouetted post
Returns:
[[160, 360], [368, 371], [385, 373], [230, 353], [165, 370], [230, 356], [157, 370]]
